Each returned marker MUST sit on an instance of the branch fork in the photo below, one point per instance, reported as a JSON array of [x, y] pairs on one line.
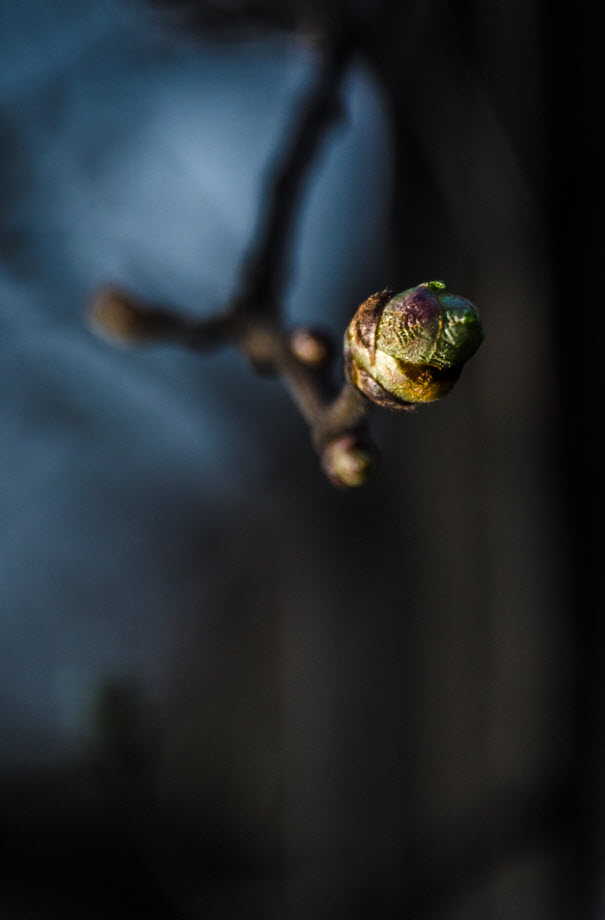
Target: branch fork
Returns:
[[399, 349], [301, 357]]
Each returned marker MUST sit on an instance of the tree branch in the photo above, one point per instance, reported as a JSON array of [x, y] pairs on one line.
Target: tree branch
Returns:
[[266, 268], [252, 321], [400, 349]]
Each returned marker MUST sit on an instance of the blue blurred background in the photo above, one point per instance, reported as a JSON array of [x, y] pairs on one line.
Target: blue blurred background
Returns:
[[227, 690]]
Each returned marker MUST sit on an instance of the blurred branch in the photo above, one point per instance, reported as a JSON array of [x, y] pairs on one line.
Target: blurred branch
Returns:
[[266, 270], [253, 320], [201, 16], [399, 349]]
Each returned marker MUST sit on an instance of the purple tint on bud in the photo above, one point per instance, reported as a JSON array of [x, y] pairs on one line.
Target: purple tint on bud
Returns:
[[420, 306], [410, 324]]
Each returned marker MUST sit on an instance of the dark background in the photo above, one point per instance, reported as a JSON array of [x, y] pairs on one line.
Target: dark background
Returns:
[[226, 689]]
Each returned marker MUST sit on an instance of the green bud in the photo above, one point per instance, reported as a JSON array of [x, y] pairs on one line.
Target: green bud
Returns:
[[410, 348]]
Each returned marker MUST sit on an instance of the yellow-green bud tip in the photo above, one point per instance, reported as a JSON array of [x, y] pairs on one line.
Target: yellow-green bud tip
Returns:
[[436, 285]]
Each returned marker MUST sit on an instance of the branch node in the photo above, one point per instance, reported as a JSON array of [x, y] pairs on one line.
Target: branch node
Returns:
[[348, 461]]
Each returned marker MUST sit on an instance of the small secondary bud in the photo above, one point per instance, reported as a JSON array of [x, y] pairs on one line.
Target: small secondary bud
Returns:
[[408, 348], [311, 346], [347, 462], [119, 317]]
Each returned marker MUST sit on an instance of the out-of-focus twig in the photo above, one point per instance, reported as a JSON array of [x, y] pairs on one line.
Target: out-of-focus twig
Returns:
[[253, 320], [266, 267], [400, 349]]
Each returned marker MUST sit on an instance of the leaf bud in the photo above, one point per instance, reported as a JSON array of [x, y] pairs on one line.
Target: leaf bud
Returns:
[[311, 346], [348, 461], [408, 348], [119, 317]]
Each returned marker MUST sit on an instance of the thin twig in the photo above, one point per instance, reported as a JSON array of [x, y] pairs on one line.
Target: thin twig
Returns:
[[266, 267]]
